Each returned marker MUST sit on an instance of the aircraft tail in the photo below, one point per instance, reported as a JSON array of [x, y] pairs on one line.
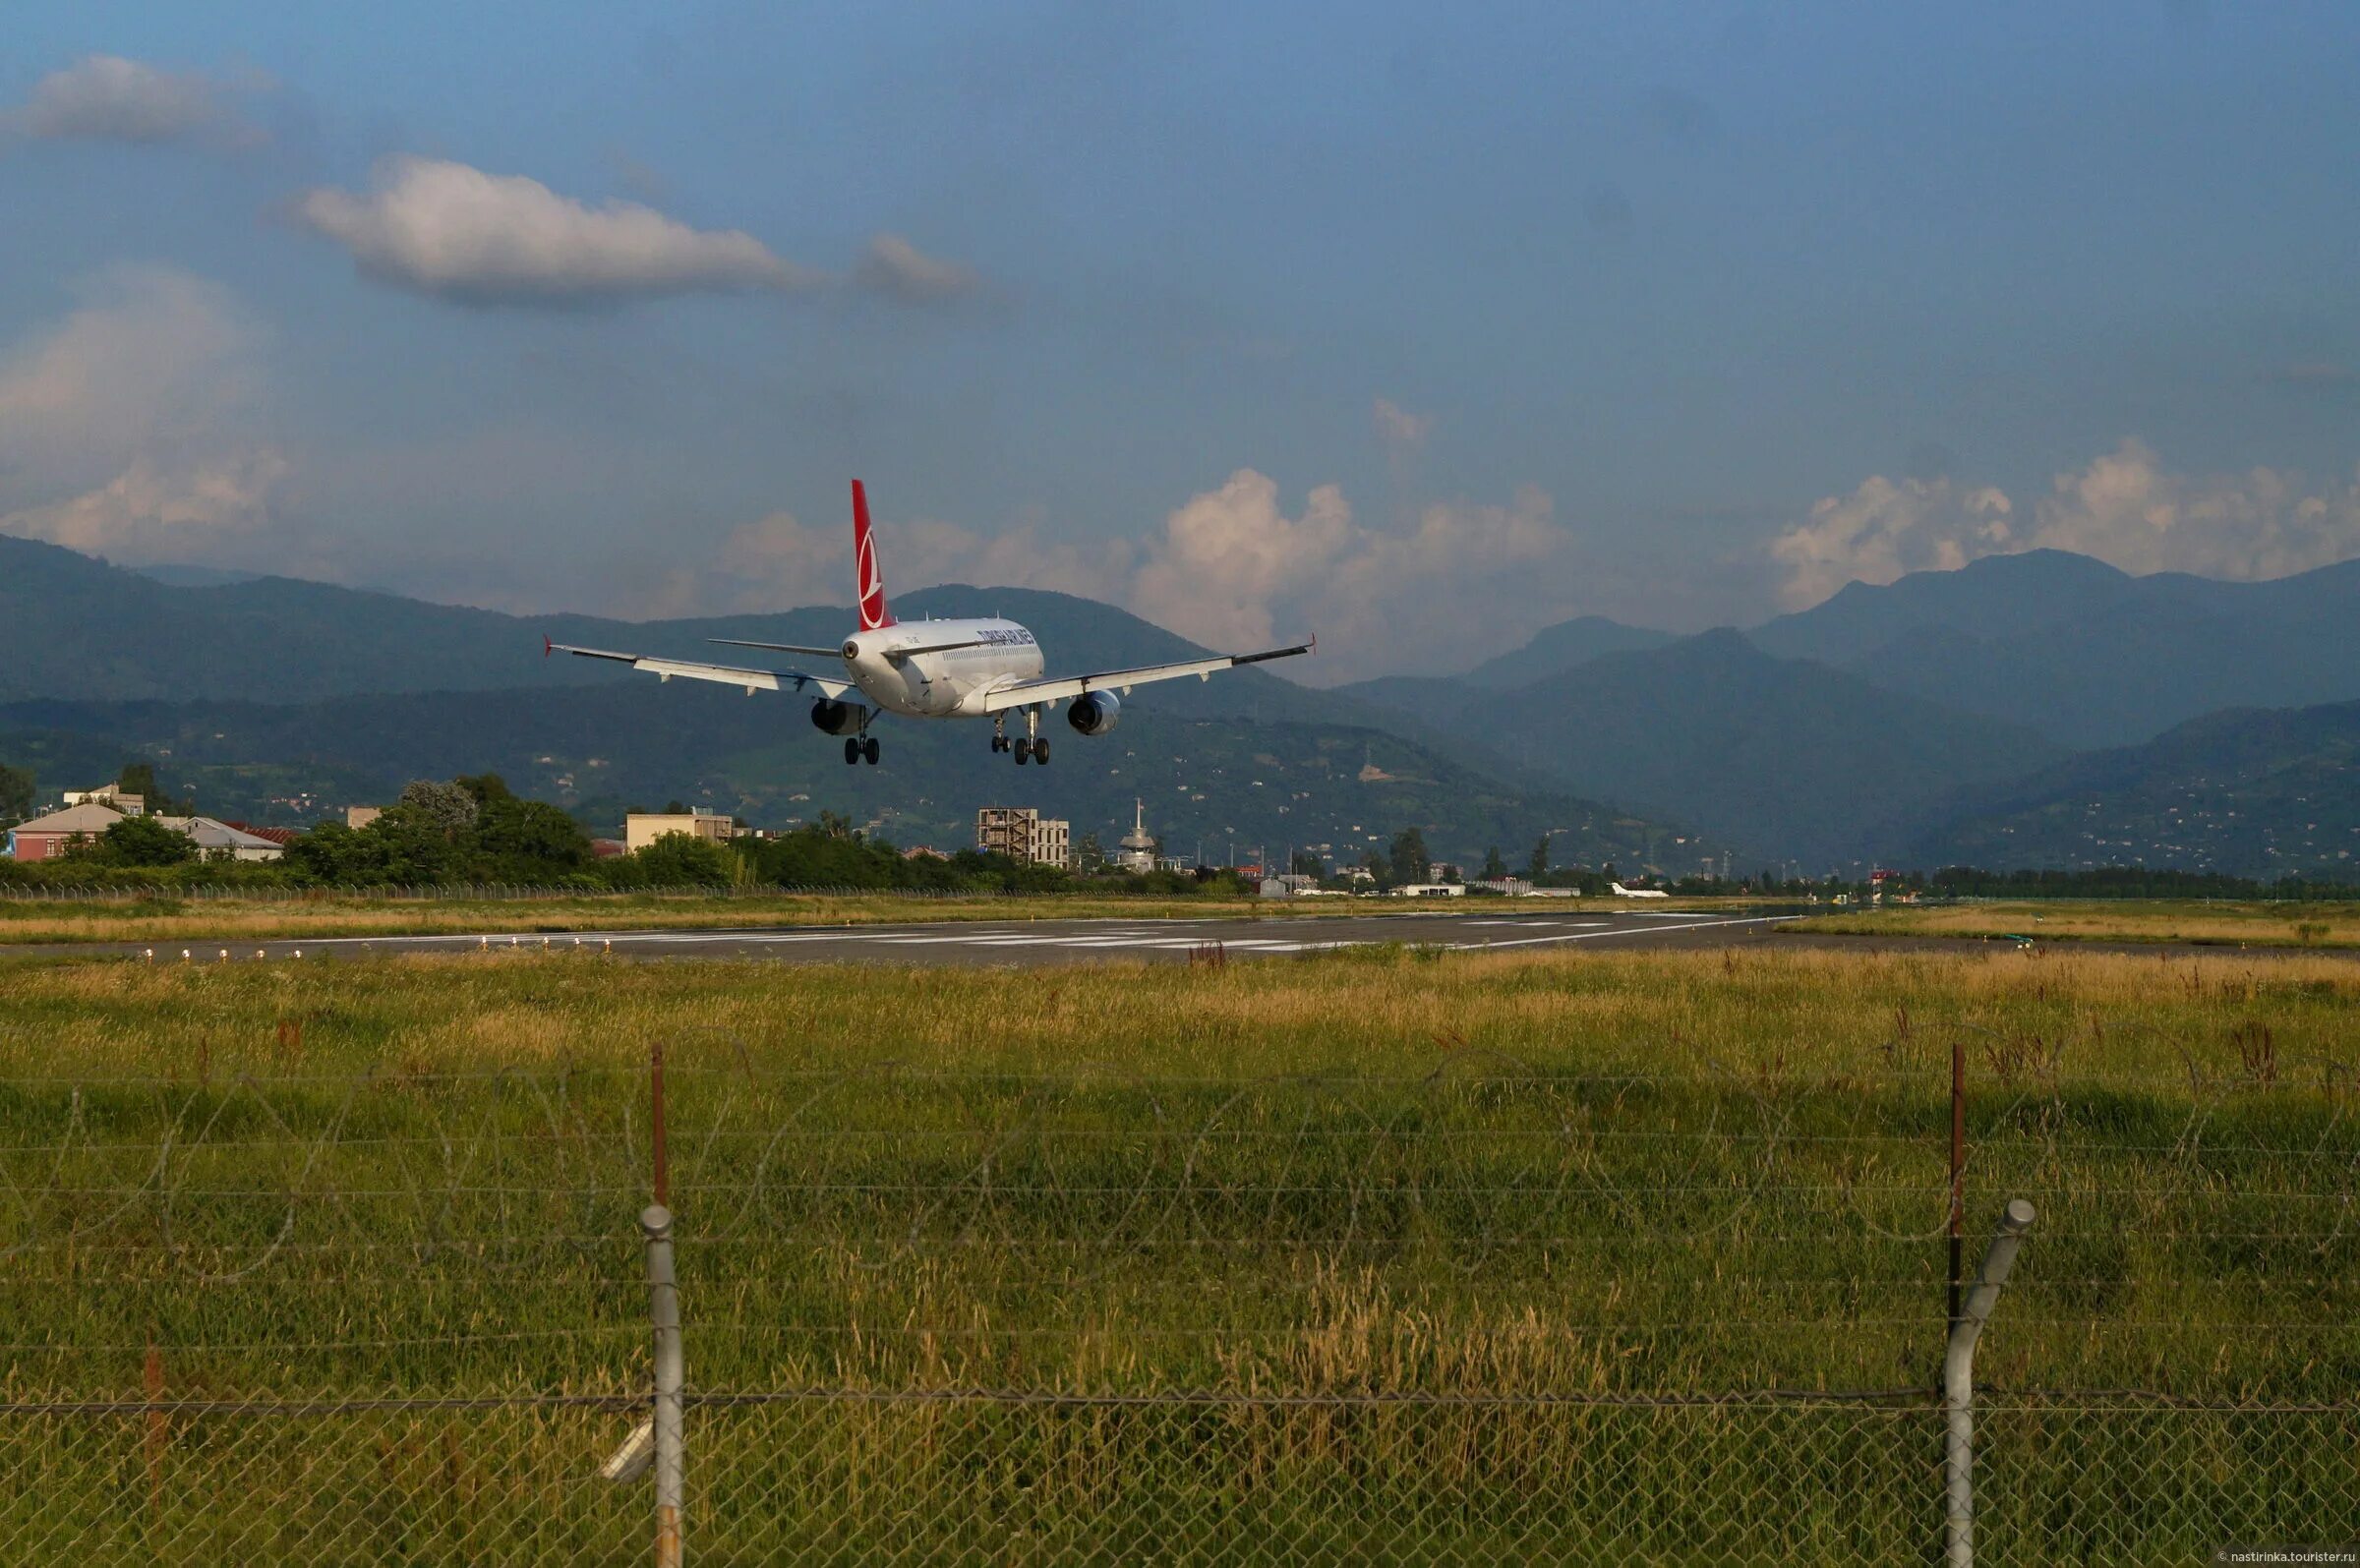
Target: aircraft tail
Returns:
[[869, 581]]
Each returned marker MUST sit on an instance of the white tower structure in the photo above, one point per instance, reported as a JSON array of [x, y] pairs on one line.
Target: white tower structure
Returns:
[[1137, 849]]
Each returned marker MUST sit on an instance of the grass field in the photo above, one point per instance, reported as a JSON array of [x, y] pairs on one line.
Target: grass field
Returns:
[[164, 920], [1355, 1209], [2205, 922]]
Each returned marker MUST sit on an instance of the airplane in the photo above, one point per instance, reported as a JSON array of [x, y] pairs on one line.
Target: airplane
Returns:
[[986, 669], [1622, 892]]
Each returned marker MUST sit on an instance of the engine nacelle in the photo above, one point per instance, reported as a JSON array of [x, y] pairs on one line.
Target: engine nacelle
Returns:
[[1093, 713], [838, 718]]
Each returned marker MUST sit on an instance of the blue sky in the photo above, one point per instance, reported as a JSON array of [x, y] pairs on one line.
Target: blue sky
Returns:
[[1423, 328]]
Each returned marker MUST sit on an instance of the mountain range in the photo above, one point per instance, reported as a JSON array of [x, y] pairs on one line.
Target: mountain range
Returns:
[[2034, 709]]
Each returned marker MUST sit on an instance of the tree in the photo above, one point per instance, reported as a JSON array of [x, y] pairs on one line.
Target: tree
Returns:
[[16, 793], [139, 779], [682, 859], [1090, 855], [527, 841], [1372, 860], [139, 841], [1495, 870], [1411, 862], [1306, 864], [447, 806], [486, 787], [1538, 866]]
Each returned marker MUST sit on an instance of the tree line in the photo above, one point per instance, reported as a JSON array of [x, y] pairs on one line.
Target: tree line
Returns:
[[477, 831]]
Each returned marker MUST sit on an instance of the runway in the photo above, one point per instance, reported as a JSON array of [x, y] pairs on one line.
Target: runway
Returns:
[[1006, 941]]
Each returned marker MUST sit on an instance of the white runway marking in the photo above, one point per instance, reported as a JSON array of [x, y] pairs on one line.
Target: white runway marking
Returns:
[[1080, 937]]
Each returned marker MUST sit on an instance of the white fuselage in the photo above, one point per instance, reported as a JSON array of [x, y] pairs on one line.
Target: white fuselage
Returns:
[[949, 683]]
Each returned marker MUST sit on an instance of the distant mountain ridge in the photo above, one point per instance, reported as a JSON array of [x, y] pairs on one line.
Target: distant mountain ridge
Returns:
[[1788, 758], [2260, 793], [1872, 725], [2085, 654]]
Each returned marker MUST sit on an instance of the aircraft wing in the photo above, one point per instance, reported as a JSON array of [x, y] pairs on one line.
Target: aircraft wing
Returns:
[[752, 680], [1033, 691]]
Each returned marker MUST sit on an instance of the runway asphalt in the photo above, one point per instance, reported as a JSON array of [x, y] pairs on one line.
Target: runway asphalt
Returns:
[[1006, 942]]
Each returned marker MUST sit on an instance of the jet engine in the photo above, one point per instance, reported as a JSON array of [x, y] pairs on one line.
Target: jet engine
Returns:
[[838, 718], [1093, 713]]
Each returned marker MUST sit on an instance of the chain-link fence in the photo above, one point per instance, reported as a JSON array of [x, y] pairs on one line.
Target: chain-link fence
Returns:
[[1490, 1313]]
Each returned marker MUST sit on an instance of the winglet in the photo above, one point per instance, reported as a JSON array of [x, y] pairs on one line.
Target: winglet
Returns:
[[546, 645], [868, 581]]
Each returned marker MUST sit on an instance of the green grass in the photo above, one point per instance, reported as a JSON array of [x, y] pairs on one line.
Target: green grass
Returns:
[[1462, 1178]]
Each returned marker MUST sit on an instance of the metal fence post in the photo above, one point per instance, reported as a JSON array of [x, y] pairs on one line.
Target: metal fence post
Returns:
[[663, 1312], [1958, 1385]]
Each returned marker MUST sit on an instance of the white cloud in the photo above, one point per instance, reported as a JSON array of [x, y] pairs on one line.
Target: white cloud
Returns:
[[104, 97], [1403, 433], [151, 355], [899, 270], [1229, 568], [1886, 529], [1229, 559], [1232, 570], [150, 513], [2124, 508], [450, 230], [129, 428], [2264, 523]]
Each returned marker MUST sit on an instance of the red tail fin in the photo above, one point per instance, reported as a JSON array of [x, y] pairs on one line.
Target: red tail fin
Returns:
[[870, 582]]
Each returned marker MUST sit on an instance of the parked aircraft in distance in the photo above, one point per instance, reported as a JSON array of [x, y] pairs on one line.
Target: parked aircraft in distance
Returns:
[[933, 670], [1622, 892]]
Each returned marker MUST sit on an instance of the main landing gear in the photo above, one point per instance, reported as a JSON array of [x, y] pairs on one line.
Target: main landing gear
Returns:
[[858, 749], [1030, 746]]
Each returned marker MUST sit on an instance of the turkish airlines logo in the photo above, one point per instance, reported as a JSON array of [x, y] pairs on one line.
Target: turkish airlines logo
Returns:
[[872, 586]]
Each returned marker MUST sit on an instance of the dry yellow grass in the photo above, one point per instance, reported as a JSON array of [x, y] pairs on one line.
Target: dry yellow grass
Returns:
[[2209, 924], [164, 920]]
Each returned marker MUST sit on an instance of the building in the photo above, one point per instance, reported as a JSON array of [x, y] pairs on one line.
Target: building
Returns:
[[282, 837], [218, 840], [108, 795], [1137, 849], [46, 838], [643, 828], [1022, 832], [358, 817]]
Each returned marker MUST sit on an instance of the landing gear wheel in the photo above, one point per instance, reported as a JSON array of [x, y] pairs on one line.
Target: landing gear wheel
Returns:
[[1000, 742], [868, 752], [1024, 751], [852, 751], [1040, 752]]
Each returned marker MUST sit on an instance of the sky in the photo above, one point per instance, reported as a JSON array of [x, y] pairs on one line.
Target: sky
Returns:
[[1418, 328]]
